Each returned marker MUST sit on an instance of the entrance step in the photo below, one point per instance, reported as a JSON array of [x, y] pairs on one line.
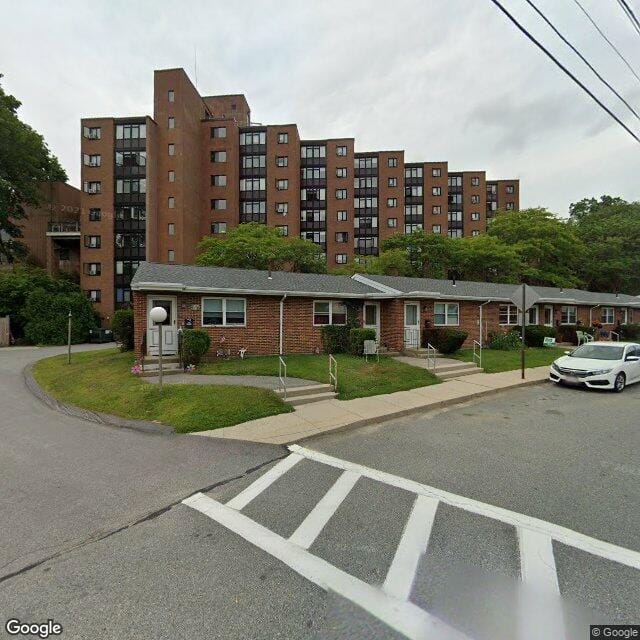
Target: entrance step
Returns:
[[446, 372], [315, 397], [152, 369], [154, 359], [310, 389]]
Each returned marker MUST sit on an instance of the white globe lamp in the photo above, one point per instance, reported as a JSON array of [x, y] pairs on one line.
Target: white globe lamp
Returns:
[[158, 315]]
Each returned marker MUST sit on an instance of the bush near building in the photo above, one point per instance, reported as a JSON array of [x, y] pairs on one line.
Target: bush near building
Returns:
[[630, 331], [194, 344], [122, 327], [445, 340], [357, 338]]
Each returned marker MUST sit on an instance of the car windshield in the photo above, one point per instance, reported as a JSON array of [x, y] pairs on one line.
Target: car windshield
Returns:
[[598, 352]]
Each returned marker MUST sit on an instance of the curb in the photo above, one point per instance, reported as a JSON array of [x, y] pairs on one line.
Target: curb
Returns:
[[92, 416]]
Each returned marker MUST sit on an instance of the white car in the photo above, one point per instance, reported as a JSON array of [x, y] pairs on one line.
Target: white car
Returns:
[[599, 365]]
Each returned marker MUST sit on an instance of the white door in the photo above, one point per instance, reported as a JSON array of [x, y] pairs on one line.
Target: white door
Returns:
[[411, 325], [169, 326], [371, 317]]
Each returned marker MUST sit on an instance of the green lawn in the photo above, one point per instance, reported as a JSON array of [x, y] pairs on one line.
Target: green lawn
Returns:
[[356, 378], [494, 361], [102, 381]]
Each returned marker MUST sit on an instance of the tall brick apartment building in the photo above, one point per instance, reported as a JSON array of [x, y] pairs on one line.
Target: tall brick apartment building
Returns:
[[153, 187]]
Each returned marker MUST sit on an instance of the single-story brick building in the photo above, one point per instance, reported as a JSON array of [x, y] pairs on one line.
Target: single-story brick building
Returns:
[[281, 312]]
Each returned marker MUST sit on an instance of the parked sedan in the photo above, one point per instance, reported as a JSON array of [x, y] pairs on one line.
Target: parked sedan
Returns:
[[599, 365]]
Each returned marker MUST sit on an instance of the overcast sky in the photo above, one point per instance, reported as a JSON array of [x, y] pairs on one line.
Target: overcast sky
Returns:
[[443, 79]]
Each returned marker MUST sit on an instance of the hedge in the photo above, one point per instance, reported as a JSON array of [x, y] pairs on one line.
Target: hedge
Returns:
[[194, 344], [335, 338], [357, 338], [443, 339], [505, 340], [630, 331], [534, 335], [122, 327]]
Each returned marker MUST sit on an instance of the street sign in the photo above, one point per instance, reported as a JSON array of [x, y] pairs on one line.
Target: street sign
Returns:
[[530, 297]]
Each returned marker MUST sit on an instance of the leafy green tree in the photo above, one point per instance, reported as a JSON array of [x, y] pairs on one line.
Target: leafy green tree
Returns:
[[486, 259], [550, 250], [256, 246], [25, 163], [394, 262], [586, 206], [429, 254]]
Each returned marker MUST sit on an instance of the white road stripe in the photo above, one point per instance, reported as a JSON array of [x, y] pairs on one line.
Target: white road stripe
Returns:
[[313, 524], [566, 536], [257, 487], [402, 616], [537, 564], [411, 548]]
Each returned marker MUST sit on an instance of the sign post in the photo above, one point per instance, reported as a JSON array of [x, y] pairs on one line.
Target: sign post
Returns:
[[524, 297]]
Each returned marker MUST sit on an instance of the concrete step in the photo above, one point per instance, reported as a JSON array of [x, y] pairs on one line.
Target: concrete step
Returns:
[[314, 397], [311, 389], [453, 366], [153, 373], [458, 373], [154, 359]]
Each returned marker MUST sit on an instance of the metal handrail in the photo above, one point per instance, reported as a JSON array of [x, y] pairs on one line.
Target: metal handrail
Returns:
[[333, 372], [477, 352], [431, 356], [282, 367], [616, 334]]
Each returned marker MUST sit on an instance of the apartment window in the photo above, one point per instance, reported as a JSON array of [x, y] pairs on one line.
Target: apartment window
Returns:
[[446, 314], [342, 236], [510, 188], [412, 209], [313, 151], [218, 156], [475, 182], [253, 184], [218, 132], [131, 185], [475, 199], [223, 312], [92, 268], [341, 151], [365, 203], [508, 314], [436, 228], [218, 227], [392, 202], [253, 207], [95, 295], [436, 191], [219, 205], [131, 158], [413, 172], [282, 161], [282, 208], [171, 122], [253, 138], [95, 215], [367, 162], [329, 312], [607, 315], [370, 182], [171, 176], [171, 95], [93, 187], [171, 229], [392, 162], [92, 160], [282, 185], [436, 172], [510, 206], [341, 258], [283, 229], [568, 315], [172, 149], [171, 255], [341, 194], [219, 181], [92, 133], [410, 228], [413, 192], [392, 223], [475, 216], [341, 216], [254, 162], [283, 138], [455, 233], [131, 131], [454, 181], [475, 233], [436, 209], [171, 202], [392, 182], [341, 172], [92, 242]]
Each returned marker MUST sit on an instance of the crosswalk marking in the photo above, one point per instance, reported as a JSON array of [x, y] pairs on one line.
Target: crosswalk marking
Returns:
[[537, 564], [411, 548], [257, 487], [313, 524], [401, 615]]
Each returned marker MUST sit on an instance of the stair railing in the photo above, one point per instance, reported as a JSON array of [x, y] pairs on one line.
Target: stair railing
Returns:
[[333, 373], [431, 357], [616, 334], [282, 375], [477, 353]]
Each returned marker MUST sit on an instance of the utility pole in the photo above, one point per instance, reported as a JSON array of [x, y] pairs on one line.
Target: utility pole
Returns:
[[69, 339]]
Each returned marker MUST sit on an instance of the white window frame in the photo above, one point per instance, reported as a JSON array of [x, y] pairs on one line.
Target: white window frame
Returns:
[[224, 312], [511, 309], [548, 307], [568, 307], [331, 322], [446, 314], [602, 315], [536, 309], [625, 310]]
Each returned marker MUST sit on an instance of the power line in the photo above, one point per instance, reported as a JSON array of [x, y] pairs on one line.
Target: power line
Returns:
[[628, 11], [561, 66], [533, 6], [613, 46]]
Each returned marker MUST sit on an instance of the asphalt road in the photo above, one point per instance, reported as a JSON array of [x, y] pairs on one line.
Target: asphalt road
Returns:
[[565, 456]]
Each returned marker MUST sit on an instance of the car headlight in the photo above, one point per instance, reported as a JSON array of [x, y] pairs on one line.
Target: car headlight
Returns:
[[599, 372], [555, 367]]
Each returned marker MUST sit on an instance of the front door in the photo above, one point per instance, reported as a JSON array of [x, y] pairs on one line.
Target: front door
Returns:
[[169, 326], [371, 317], [411, 325], [548, 315]]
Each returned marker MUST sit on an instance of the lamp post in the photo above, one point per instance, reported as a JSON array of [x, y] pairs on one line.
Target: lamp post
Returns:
[[158, 315], [69, 338]]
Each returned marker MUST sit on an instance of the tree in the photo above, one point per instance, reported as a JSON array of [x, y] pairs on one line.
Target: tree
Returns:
[[25, 163], [486, 259], [256, 246], [394, 262], [586, 206], [429, 254], [550, 250]]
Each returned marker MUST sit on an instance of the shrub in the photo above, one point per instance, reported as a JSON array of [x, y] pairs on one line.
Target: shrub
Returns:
[[534, 335], [195, 343], [335, 338], [122, 327], [357, 338], [443, 339], [630, 331], [505, 340]]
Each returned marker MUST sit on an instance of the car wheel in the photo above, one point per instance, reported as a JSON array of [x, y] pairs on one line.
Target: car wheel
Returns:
[[619, 383]]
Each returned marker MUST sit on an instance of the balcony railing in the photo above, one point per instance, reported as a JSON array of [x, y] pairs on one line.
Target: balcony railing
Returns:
[[63, 227]]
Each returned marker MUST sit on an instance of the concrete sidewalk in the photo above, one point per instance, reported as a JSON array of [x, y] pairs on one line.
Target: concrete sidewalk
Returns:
[[318, 417]]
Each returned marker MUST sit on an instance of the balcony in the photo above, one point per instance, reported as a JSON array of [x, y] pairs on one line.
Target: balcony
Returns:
[[63, 229]]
